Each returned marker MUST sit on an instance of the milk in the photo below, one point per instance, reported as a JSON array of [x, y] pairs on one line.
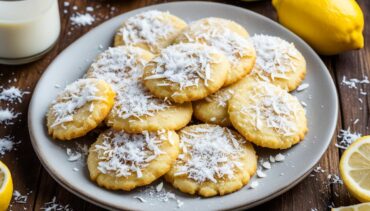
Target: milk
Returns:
[[28, 29]]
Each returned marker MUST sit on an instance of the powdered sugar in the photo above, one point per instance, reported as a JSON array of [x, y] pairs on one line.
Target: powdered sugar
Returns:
[[123, 154], [184, 64], [147, 28], [208, 153], [274, 57], [72, 98]]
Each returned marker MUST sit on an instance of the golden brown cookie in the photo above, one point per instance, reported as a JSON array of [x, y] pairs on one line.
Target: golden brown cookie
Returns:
[[122, 161], [80, 108], [186, 72], [268, 116], [151, 30], [278, 62], [213, 161], [228, 37]]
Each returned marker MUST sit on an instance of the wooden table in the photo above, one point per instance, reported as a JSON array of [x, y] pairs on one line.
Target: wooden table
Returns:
[[313, 192]]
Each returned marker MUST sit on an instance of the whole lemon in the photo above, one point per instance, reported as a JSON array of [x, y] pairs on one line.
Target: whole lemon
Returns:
[[329, 26]]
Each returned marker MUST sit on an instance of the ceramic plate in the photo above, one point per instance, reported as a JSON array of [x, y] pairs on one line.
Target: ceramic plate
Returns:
[[320, 97]]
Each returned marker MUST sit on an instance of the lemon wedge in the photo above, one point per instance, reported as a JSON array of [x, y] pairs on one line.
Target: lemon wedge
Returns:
[[354, 168], [6, 187], [357, 207], [329, 26]]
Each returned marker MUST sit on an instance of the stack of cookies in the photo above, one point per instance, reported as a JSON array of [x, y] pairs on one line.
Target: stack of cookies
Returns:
[[161, 71]]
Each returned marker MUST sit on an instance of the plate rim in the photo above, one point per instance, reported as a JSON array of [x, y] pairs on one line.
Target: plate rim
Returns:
[[107, 205]]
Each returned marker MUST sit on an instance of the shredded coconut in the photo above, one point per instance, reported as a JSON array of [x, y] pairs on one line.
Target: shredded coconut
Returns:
[[123, 154], [79, 19], [334, 179], [260, 173], [6, 116], [12, 94], [232, 45], [221, 97], [54, 206], [148, 28], [116, 64], [19, 198], [208, 153], [184, 64], [134, 100], [254, 184], [353, 82], [279, 157], [272, 109], [274, 57], [347, 137], [266, 165], [72, 98], [151, 193], [303, 87], [7, 144]]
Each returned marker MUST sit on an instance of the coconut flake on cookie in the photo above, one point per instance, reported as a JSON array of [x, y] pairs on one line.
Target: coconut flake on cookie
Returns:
[[147, 27], [74, 97], [124, 154], [208, 153], [274, 56], [184, 64]]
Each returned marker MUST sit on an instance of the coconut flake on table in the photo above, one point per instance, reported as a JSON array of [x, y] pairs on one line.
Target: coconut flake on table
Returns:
[[334, 179], [6, 116], [79, 19], [7, 144], [147, 27], [184, 64], [54, 206], [12, 94], [19, 198], [353, 82], [347, 138]]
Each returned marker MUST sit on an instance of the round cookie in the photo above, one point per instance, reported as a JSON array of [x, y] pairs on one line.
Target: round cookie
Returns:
[[268, 116], [150, 30], [228, 37], [136, 109], [118, 63], [80, 108], [278, 62], [122, 161], [186, 72], [213, 161]]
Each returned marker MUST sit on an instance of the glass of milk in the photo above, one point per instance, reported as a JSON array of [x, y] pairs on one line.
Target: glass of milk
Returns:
[[28, 29]]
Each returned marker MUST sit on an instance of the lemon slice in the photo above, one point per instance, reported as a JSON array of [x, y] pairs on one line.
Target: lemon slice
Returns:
[[354, 168], [357, 207], [6, 187]]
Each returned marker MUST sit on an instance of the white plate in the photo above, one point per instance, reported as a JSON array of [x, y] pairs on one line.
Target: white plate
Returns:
[[71, 64]]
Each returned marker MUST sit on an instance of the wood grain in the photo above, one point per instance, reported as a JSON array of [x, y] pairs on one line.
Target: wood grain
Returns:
[[313, 192]]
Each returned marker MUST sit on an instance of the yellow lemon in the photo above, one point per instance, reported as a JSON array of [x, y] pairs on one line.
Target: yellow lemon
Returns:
[[6, 187], [354, 168], [357, 207], [329, 26]]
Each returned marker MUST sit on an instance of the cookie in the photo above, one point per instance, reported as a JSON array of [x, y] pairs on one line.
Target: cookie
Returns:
[[268, 116], [122, 161], [186, 72], [213, 161], [136, 110], [228, 37], [151, 30], [119, 63], [80, 108], [278, 62]]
